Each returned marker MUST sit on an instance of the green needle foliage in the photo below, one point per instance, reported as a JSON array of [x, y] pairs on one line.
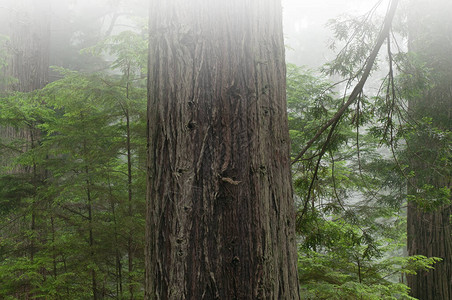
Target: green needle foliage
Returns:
[[350, 222], [72, 197]]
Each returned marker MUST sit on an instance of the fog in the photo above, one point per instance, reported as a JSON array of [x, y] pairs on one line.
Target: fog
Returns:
[[305, 27], [306, 35]]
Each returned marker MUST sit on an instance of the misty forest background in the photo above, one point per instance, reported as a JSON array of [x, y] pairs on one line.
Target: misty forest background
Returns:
[[372, 192]]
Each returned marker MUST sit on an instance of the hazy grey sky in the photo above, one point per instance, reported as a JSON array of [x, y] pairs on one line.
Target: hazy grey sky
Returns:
[[305, 31]]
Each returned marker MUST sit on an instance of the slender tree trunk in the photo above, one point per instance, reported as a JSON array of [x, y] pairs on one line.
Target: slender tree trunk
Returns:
[[119, 290], [65, 271], [54, 255], [430, 232], [90, 223], [220, 213], [35, 177], [91, 237], [130, 251]]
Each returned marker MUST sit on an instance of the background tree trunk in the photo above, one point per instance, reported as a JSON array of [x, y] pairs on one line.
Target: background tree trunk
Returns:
[[28, 27], [220, 214], [29, 23], [430, 232]]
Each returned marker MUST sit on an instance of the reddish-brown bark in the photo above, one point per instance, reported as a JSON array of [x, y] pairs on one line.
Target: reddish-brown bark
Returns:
[[220, 214]]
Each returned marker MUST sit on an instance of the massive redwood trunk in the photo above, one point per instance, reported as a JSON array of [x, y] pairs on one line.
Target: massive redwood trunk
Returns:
[[220, 215], [430, 232]]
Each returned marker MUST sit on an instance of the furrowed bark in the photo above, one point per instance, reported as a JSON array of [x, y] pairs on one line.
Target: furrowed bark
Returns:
[[220, 214]]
